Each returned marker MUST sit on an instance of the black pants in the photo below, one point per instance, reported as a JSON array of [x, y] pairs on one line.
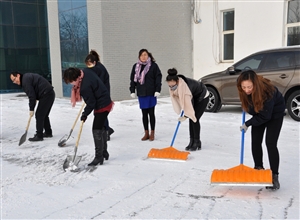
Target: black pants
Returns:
[[99, 120], [151, 113], [42, 114], [195, 127], [273, 128]]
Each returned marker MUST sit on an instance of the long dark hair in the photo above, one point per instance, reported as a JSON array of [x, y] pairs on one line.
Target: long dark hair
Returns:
[[149, 54], [262, 90]]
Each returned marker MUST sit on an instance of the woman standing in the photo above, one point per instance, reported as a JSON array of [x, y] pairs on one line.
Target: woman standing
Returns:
[[146, 79], [91, 88], [266, 104], [191, 96]]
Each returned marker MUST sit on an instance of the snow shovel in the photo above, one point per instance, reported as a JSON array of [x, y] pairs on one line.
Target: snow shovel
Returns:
[[71, 162], [169, 153], [62, 142], [241, 174], [23, 138]]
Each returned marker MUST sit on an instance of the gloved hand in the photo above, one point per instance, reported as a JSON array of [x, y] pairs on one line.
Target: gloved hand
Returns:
[[243, 127], [83, 117], [182, 119], [156, 94], [132, 95], [31, 113]]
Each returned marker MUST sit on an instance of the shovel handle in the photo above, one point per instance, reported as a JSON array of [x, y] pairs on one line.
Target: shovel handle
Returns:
[[82, 106], [242, 139], [176, 130], [28, 123], [77, 141]]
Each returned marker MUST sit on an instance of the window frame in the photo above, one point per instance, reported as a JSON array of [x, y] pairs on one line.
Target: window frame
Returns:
[[223, 33], [289, 25]]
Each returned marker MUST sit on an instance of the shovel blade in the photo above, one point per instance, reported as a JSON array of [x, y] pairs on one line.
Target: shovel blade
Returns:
[[63, 141], [23, 138], [71, 163]]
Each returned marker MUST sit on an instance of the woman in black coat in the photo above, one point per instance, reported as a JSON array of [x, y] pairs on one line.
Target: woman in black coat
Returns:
[[91, 88], [265, 103], [146, 78]]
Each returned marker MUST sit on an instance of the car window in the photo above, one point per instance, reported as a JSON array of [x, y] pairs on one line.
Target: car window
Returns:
[[278, 60], [252, 62], [297, 58]]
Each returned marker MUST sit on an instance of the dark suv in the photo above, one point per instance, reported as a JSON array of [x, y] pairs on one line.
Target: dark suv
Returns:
[[280, 65]]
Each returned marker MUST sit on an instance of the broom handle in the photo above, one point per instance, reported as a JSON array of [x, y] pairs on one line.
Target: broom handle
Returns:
[[175, 133], [242, 139], [83, 104]]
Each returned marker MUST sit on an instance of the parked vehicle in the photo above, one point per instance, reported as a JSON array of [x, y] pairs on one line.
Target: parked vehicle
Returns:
[[280, 65]]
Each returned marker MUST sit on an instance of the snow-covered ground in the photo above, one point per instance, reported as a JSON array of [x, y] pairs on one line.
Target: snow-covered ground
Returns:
[[128, 185]]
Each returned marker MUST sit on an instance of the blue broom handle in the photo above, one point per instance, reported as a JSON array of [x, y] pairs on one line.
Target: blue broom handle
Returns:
[[175, 133], [242, 139]]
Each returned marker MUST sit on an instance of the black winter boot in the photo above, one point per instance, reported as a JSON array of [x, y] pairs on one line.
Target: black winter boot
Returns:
[[99, 146], [196, 145], [105, 152], [276, 184], [36, 138], [190, 144]]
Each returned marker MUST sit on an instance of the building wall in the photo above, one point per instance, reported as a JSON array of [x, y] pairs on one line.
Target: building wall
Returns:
[[54, 43], [258, 25], [118, 30]]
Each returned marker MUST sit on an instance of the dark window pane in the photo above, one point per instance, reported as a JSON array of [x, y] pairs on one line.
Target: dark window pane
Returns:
[[43, 37], [228, 46], [279, 60], [25, 14], [228, 21], [297, 58], [26, 37], [8, 40], [28, 59], [253, 62], [25, 1], [293, 37], [43, 20], [80, 23], [5, 13], [9, 63], [293, 12]]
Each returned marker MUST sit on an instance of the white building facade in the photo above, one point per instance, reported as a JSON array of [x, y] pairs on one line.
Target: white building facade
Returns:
[[226, 31]]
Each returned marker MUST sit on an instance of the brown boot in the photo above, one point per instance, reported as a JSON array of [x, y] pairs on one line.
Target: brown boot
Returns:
[[151, 138], [146, 135]]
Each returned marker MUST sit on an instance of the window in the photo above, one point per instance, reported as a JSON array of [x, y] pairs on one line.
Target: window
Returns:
[[252, 62], [279, 60], [228, 35], [293, 23]]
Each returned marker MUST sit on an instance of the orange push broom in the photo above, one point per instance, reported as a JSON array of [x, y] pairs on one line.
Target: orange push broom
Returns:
[[241, 174], [169, 153]]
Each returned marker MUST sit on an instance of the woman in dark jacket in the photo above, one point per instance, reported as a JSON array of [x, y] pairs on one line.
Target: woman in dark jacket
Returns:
[[92, 61], [37, 88], [266, 104], [146, 78], [192, 97], [91, 88]]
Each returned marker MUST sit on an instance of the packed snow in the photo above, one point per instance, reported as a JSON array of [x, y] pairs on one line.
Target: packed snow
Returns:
[[129, 185]]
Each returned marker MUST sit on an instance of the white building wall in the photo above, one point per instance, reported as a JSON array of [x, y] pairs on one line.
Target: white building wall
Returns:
[[258, 25], [54, 46]]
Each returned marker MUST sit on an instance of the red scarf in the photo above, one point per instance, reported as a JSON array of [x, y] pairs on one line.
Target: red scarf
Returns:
[[75, 93]]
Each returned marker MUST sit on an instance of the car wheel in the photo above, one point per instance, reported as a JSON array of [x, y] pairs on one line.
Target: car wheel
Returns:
[[293, 105], [214, 103]]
